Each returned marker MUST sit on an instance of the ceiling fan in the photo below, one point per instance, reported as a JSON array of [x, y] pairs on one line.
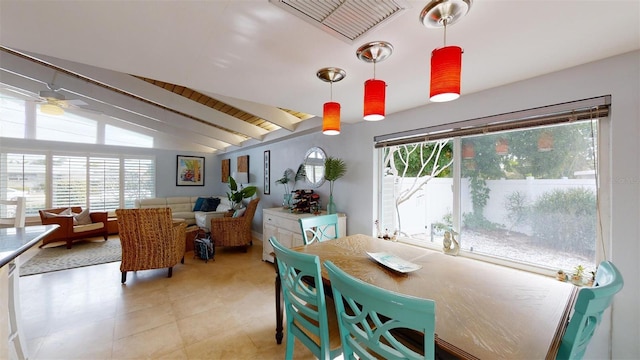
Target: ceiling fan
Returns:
[[51, 101]]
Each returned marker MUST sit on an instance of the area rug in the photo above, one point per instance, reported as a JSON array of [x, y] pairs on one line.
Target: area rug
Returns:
[[83, 253]]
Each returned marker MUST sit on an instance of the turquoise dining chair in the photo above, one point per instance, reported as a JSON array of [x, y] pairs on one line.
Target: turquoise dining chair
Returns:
[[306, 308], [319, 228], [371, 319], [588, 309]]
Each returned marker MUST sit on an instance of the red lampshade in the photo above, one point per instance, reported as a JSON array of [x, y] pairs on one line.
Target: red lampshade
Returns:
[[446, 65], [374, 94], [331, 118]]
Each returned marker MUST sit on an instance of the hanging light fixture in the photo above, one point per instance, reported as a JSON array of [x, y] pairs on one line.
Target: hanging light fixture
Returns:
[[51, 109], [374, 89], [446, 62], [331, 110]]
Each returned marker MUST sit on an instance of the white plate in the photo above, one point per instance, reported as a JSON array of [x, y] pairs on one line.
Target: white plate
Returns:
[[393, 262]]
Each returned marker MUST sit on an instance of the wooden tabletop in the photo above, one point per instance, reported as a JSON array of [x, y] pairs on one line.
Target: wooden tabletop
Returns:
[[483, 310]]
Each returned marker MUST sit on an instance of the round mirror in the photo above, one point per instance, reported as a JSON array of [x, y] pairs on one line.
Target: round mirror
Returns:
[[314, 166]]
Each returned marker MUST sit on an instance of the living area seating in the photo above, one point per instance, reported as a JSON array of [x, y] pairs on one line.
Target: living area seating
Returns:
[[234, 231], [188, 207], [150, 240], [75, 224]]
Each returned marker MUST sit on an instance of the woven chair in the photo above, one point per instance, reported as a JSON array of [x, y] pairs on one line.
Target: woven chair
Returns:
[[150, 240], [234, 231]]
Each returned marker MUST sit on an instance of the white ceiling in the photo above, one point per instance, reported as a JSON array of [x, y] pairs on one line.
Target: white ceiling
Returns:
[[253, 51]]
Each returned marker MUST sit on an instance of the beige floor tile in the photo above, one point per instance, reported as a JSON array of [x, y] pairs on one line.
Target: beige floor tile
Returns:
[[223, 309]]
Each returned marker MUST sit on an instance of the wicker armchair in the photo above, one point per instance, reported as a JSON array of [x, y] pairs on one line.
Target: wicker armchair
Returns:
[[234, 231], [150, 240]]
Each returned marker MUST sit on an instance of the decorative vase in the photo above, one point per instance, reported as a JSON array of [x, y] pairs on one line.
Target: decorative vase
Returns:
[[331, 206], [286, 201]]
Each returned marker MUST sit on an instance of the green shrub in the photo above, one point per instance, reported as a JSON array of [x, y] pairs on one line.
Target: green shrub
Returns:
[[566, 220]]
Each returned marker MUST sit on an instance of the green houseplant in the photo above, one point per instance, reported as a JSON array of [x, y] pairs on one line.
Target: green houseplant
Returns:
[[334, 169], [236, 195]]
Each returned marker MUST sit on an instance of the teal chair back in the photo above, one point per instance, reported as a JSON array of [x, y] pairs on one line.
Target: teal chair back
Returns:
[[319, 228], [588, 309], [369, 318], [304, 302]]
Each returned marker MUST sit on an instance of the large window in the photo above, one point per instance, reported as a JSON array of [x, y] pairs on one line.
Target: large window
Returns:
[[525, 195], [102, 183]]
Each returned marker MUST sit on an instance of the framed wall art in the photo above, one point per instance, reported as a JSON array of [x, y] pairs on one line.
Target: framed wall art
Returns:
[[190, 171], [267, 171], [226, 170]]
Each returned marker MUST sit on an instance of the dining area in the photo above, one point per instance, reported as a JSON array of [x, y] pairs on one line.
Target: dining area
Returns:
[[468, 309]]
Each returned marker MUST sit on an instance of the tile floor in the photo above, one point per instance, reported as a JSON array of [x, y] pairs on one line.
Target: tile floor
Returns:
[[217, 310]]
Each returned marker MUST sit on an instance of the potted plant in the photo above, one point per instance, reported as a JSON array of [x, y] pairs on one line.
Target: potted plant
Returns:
[[578, 273], [287, 178], [334, 169], [236, 195], [561, 276]]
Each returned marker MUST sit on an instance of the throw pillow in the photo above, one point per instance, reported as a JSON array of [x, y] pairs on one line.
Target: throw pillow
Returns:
[[239, 212], [84, 218], [210, 204], [198, 204]]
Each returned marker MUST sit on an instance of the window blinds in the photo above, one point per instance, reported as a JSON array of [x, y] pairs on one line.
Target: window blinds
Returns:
[[585, 109]]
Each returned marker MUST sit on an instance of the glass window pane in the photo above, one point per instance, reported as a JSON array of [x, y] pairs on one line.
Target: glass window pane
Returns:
[[69, 181], [118, 136], [104, 184], [139, 180], [417, 197], [24, 175], [66, 127], [530, 195], [12, 117]]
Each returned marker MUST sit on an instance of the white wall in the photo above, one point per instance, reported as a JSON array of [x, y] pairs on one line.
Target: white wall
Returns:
[[355, 193]]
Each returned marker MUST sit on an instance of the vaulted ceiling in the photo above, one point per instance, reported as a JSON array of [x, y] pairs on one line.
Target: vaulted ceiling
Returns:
[[214, 76]]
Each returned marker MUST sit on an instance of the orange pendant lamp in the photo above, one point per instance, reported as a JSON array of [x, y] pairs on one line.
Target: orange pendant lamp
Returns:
[[374, 89], [446, 62], [331, 109]]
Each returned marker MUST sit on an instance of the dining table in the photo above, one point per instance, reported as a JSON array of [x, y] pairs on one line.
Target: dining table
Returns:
[[483, 310]]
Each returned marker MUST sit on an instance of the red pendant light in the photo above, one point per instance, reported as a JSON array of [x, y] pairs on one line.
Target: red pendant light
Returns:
[[374, 90], [331, 118], [331, 109], [446, 62], [374, 99], [446, 66]]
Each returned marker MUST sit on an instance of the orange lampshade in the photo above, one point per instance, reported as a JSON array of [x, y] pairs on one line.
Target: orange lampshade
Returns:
[[331, 118], [446, 66], [374, 94]]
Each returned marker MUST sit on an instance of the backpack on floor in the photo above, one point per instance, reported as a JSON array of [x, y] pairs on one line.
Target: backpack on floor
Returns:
[[204, 249]]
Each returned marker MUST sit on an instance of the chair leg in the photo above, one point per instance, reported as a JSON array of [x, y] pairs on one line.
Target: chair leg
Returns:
[[182, 260], [170, 271], [124, 277]]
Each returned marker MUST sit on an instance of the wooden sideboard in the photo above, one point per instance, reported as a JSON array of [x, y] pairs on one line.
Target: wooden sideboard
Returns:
[[284, 226]]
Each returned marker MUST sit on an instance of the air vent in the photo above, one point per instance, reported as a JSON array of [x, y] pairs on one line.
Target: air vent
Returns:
[[346, 19]]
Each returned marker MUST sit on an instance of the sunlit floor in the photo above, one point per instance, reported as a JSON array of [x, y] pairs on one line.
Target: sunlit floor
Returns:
[[217, 310]]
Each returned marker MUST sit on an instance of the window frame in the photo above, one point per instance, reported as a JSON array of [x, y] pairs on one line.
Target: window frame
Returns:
[[594, 108]]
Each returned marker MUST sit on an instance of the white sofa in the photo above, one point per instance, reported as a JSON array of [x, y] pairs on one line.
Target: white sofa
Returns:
[[182, 207]]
